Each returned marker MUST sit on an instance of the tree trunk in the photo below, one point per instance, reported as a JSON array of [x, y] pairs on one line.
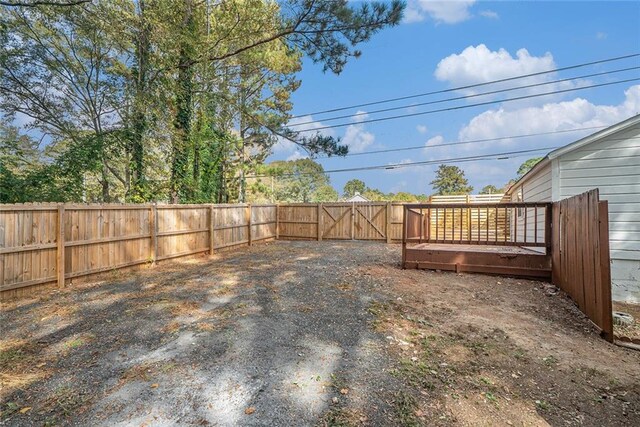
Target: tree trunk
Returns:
[[184, 111]]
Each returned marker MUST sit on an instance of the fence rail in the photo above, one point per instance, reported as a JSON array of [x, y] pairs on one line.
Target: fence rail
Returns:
[[501, 224]]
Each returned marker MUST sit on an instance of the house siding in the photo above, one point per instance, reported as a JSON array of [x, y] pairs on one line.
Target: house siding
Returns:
[[613, 166], [536, 188]]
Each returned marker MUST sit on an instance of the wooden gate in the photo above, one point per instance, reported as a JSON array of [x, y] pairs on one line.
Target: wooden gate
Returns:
[[336, 221], [580, 256], [370, 221]]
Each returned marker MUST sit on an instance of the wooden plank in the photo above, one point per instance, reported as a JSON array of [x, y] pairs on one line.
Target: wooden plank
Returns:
[[248, 221], [353, 218], [606, 308], [388, 222], [212, 229], [319, 222], [60, 255], [277, 221]]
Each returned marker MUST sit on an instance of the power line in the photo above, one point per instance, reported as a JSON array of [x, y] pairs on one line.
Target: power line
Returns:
[[493, 92], [384, 101], [460, 107], [471, 141], [493, 156]]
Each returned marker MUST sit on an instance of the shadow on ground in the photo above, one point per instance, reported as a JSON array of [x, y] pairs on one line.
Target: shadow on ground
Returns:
[[271, 335]]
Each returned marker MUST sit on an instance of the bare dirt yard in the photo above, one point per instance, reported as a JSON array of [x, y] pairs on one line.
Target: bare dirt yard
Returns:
[[309, 333]]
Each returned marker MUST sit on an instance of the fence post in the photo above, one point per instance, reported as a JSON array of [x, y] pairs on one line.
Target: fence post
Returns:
[[211, 228], [605, 271], [468, 200], [319, 230], [388, 225], [60, 262], [153, 231], [247, 216], [277, 222], [404, 236]]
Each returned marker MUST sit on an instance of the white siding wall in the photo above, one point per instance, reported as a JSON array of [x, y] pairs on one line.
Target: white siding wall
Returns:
[[613, 166], [536, 188]]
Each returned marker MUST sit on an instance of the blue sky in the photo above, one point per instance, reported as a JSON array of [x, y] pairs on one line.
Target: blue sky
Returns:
[[441, 45]]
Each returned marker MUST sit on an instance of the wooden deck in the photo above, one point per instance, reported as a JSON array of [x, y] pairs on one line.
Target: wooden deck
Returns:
[[502, 260]]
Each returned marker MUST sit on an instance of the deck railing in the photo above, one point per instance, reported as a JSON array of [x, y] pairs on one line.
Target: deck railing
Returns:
[[507, 224]]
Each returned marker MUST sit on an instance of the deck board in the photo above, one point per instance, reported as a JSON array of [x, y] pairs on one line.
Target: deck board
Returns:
[[475, 248]]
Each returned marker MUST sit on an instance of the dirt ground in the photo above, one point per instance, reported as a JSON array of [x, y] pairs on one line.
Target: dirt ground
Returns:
[[309, 333]]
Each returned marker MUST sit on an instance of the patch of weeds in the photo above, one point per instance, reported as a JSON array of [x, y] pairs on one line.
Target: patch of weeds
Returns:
[[542, 405], [406, 408], [416, 373], [486, 381], [67, 399], [478, 347], [550, 360], [491, 398], [377, 308], [11, 356], [8, 409], [520, 354], [426, 345], [343, 417], [74, 343]]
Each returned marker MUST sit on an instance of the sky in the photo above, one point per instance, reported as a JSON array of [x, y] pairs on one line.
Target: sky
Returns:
[[448, 44]]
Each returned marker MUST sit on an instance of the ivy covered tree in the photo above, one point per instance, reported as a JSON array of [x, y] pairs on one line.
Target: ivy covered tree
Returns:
[[175, 100]]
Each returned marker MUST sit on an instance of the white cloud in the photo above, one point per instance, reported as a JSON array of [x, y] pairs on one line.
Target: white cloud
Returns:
[[447, 12], [489, 14], [297, 155], [600, 35], [357, 138], [422, 129], [478, 64], [577, 113], [360, 116]]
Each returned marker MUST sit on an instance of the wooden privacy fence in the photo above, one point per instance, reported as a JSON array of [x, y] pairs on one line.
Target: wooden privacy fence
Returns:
[[580, 258], [44, 243], [341, 221]]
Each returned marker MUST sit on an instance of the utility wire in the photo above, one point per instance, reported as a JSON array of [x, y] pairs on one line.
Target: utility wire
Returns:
[[471, 141], [493, 92], [493, 156], [460, 107], [384, 101]]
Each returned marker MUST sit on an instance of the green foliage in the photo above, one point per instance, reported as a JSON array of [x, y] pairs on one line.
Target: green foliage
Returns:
[[174, 100], [325, 193], [450, 180], [527, 166], [295, 181], [354, 186], [490, 189]]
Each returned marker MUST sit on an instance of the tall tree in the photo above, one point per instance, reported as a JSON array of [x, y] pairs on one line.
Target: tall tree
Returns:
[[489, 189], [527, 166], [450, 180], [354, 186]]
